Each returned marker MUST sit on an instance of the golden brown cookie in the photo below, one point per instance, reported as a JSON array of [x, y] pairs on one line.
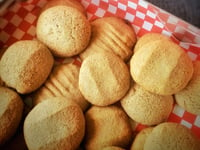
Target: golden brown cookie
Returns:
[[104, 78], [171, 136], [111, 34], [146, 107], [161, 67], [113, 148], [65, 30], [189, 97], [56, 123], [138, 143], [25, 65], [149, 37], [70, 3], [11, 109], [63, 81], [107, 126]]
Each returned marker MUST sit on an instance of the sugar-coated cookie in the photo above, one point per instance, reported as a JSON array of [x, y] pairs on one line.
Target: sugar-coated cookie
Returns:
[[171, 136], [104, 78], [107, 126], [65, 30], [11, 109], [149, 37], [138, 143], [56, 123], [146, 107], [189, 97], [161, 67], [111, 34], [25, 65], [71, 3]]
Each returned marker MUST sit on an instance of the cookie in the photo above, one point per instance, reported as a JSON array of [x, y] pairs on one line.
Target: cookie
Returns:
[[104, 78], [26, 65], [113, 148], [171, 136], [63, 81], [146, 107], [11, 109], [70, 3], [56, 123], [189, 97], [65, 30], [161, 67], [149, 37], [111, 34], [107, 126], [138, 143]]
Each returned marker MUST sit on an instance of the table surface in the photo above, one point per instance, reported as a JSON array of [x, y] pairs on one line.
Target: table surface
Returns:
[[188, 10]]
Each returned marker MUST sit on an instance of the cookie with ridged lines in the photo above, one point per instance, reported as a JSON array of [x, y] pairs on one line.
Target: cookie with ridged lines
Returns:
[[104, 78], [111, 34], [147, 38], [65, 30], [63, 81], [138, 142], [70, 3], [171, 136], [189, 97], [146, 107], [107, 126], [11, 109], [56, 123], [25, 65], [161, 67]]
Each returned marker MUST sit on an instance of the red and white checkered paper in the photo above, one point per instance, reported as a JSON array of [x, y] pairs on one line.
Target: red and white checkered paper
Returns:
[[19, 21]]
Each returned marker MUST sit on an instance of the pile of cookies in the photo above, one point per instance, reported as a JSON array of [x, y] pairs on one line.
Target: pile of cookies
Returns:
[[95, 105]]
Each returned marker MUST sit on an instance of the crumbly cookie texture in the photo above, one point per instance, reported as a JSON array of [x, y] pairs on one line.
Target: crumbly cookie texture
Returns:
[[139, 140], [70, 3], [104, 78], [149, 37], [26, 65], [146, 107], [11, 109], [161, 67], [56, 123], [65, 30], [171, 136], [107, 126], [189, 97]]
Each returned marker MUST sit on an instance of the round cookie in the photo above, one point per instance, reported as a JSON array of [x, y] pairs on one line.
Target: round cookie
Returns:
[[146, 107], [107, 126], [189, 97], [171, 136], [111, 34], [25, 65], [70, 3], [113, 148], [138, 143], [147, 38], [56, 123], [65, 30], [11, 109], [63, 81], [104, 79], [161, 67]]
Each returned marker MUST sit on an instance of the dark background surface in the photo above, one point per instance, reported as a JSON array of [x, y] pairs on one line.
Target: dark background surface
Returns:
[[188, 10]]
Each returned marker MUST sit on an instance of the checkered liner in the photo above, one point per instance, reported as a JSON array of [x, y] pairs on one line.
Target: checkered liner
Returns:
[[20, 20]]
